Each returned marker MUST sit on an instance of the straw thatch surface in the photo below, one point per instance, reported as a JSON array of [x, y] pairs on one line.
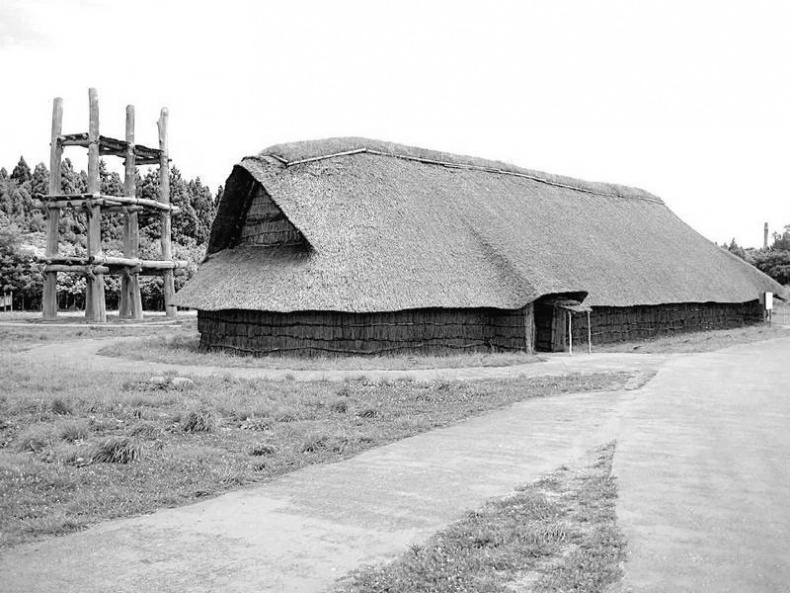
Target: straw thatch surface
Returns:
[[387, 228]]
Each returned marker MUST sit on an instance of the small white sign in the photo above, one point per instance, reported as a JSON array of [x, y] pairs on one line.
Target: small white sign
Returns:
[[769, 301]]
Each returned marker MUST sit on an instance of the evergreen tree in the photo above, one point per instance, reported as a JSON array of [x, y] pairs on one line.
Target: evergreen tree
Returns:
[[70, 181], [39, 182], [21, 172], [782, 240]]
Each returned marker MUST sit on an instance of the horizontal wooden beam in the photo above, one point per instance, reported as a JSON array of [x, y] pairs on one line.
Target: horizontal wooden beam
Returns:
[[108, 260], [76, 200], [114, 147], [76, 269]]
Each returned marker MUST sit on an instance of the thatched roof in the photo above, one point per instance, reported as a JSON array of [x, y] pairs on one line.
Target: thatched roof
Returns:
[[391, 227]]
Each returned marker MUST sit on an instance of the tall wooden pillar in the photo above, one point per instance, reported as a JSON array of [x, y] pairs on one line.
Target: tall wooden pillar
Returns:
[[529, 328], [50, 296], [95, 308], [168, 288], [131, 304]]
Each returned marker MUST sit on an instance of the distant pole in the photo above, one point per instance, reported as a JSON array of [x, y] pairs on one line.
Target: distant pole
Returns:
[[168, 288], [50, 296], [765, 236]]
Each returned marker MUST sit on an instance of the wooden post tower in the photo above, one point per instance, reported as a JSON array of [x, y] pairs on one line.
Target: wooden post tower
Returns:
[[94, 265]]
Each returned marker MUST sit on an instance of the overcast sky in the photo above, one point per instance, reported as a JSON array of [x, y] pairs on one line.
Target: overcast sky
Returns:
[[689, 100]]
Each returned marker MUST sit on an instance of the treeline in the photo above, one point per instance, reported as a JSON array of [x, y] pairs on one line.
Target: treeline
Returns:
[[773, 260], [22, 228]]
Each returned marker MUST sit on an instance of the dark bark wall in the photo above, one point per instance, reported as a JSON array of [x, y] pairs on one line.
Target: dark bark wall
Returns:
[[442, 331], [617, 324], [433, 331]]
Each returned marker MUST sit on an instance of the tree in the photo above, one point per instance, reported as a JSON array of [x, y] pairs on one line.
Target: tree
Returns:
[[735, 249], [16, 267], [21, 172], [775, 263], [70, 181], [782, 241], [39, 182], [111, 185]]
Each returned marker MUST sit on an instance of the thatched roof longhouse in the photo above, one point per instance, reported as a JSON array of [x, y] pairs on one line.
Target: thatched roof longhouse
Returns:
[[389, 227]]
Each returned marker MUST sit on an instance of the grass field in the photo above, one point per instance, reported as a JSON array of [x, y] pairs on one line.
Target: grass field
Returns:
[[81, 447], [557, 534], [23, 331]]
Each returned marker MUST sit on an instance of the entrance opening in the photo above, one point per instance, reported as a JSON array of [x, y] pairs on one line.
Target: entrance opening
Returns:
[[552, 320]]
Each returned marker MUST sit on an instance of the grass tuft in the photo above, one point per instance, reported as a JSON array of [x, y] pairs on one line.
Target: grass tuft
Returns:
[[197, 421], [367, 413], [73, 430], [315, 443], [35, 438], [60, 406], [262, 450], [147, 429], [340, 406], [117, 449]]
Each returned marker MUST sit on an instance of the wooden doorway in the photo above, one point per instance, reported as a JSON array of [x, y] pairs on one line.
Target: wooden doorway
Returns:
[[551, 328]]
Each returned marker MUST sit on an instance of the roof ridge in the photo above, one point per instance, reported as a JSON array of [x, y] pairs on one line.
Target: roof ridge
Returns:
[[583, 186]]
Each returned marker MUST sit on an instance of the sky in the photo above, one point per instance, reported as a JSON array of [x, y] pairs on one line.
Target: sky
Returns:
[[688, 99]]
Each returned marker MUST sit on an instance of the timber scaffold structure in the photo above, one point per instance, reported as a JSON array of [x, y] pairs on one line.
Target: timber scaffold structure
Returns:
[[95, 265]]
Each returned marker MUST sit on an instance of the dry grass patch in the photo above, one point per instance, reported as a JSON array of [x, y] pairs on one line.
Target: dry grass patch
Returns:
[[18, 338], [184, 349], [704, 341], [555, 535]]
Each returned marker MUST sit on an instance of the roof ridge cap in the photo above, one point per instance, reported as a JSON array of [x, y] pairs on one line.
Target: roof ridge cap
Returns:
[[582, 186]]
